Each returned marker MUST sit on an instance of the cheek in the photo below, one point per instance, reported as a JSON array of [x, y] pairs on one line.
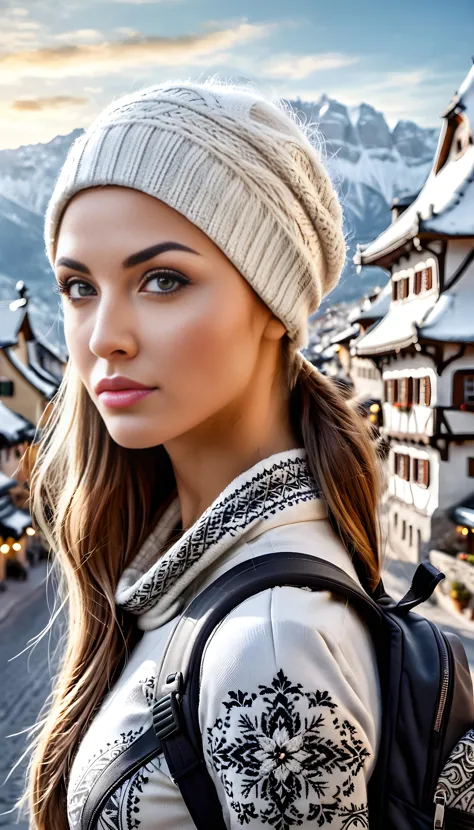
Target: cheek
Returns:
[[212, 350]]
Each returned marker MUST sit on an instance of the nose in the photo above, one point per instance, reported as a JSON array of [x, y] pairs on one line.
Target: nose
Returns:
[[114, 329]]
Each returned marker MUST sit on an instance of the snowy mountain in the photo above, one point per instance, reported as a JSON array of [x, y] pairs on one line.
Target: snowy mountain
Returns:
[[369, 163]]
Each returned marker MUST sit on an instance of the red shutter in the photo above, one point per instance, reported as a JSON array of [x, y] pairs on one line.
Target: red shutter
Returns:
[[426, 473], [417, 282], [427, 279], [427, 400]]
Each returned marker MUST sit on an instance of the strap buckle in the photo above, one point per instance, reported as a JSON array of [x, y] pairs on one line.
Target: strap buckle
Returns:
[[166, 711]]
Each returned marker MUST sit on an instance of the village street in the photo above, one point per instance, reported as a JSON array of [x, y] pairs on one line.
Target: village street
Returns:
[[26, 679]]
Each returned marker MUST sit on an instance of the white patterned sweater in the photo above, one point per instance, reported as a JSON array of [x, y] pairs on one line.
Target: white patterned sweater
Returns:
[[289, 711]]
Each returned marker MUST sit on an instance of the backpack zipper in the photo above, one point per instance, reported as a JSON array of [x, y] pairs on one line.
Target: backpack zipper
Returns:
[[444, 686], [440, 801]]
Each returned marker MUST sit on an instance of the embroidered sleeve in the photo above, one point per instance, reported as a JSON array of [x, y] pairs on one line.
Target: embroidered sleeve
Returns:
[[286, 736]]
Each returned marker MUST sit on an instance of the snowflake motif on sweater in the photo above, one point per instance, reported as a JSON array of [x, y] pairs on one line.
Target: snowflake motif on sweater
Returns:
[[283, 767]]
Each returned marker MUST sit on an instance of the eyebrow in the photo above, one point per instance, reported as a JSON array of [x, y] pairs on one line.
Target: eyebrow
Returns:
[[133, 259]]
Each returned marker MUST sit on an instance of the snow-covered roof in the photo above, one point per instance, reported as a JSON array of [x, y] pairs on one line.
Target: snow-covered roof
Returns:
[[47, 388], [445, 205], [451, 320], [373, 310], [6, 483], [14, 428], [10, 324], [346, 334], [464, 513]]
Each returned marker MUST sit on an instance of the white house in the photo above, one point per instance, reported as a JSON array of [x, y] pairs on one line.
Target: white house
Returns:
[[424, 345]]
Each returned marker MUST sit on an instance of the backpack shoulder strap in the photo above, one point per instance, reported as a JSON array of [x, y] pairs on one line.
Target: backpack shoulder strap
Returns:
[[176, 706]]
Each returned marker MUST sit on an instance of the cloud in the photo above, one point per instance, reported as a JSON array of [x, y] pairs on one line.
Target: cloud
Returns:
[[18, 11], [55, 102], [113, 57], [297, 67], [80, 34]]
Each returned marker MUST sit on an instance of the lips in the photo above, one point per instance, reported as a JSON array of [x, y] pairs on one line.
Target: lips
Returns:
[[119, 383]]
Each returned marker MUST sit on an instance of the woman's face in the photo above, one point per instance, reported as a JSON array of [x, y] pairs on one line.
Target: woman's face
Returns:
[[150, 297]]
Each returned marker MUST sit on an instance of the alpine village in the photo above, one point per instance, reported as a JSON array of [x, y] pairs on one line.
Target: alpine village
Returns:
[[405, 353]]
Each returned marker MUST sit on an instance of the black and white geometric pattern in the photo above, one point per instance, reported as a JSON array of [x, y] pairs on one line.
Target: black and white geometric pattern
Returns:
[[284, 483], [457, 778], [286, 757]]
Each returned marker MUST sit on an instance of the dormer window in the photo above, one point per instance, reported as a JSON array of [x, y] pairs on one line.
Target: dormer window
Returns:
[[463, 390], [462, 139], [423, 279]]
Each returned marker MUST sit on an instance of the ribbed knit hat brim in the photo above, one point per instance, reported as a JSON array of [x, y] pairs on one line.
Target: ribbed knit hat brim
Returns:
[[239, 169]]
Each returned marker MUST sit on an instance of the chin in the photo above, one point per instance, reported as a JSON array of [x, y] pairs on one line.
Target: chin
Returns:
[[135, 436]]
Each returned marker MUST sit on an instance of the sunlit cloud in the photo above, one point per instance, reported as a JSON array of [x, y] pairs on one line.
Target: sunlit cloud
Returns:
[[297, 67], [82, 35], [18, 11], [54, 102], [112, 57]]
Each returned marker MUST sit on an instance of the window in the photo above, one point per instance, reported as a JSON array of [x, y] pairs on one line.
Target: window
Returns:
[[421, 471], [395, 520], [395, 289], [404, 529], [403, 288], [470, 467], [410, 536], [402, 466], [391, 390], [6, 388], [463, 390]]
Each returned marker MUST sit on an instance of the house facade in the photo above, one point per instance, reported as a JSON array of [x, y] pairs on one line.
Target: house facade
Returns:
[[30, 371], [424, 345]]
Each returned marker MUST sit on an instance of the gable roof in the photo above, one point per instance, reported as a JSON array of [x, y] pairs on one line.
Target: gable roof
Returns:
[[445, 205]]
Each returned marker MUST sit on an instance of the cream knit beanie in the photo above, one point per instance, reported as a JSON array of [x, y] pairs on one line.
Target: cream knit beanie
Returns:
[[235, 165]]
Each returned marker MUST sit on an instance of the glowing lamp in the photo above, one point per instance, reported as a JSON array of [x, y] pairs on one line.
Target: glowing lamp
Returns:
[[16, 546], [465, 531], [374, 407], [4, 548], [30, 531]]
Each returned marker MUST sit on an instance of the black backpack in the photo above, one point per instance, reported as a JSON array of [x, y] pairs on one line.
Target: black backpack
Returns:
[[424, 775]]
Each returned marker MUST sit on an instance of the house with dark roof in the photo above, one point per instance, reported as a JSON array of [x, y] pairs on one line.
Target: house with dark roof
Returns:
[[424, 343], [30, 369]]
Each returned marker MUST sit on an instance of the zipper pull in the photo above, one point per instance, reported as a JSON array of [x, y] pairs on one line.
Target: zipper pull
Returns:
[[440, 801]]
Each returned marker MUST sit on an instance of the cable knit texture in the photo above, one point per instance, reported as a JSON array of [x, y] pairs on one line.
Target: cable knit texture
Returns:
[[239, 168]]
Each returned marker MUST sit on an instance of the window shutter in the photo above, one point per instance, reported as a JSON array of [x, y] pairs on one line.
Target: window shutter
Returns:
[[427, 400], [426, 472], [394, 289], [415, 469], [417, 282], [427, 279], [470, 467]]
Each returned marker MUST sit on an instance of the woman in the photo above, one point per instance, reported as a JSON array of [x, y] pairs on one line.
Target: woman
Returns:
[[192, 231]]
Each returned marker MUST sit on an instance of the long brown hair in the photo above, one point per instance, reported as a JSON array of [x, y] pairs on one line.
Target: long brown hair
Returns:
[[96, 502]]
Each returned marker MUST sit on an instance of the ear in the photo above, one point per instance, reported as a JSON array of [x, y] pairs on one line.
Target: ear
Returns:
[[274, 329]]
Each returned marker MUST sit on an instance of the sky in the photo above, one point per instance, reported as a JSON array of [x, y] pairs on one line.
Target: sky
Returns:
[[62, 61]]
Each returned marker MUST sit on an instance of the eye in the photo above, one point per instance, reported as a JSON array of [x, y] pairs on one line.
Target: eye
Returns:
[[65, 286], [166, 278]]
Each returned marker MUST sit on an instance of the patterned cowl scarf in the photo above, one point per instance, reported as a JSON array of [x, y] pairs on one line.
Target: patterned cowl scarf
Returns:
[[282, 480]]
